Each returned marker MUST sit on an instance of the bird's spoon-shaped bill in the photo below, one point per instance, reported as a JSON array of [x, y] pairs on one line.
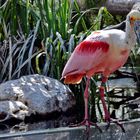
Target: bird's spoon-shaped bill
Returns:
[[137, 30]]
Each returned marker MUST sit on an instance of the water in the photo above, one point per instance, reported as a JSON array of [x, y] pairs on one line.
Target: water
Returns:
[[64, 133], [125, 100]]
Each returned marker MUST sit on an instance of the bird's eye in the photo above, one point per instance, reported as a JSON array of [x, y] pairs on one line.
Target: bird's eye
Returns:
[[131, 18]]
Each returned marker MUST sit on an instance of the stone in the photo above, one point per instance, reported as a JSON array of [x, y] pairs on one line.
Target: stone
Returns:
[[34, 94], [13, 109]]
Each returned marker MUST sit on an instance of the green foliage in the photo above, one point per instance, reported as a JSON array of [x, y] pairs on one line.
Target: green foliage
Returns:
[[103, 18], [12, 15], [47, 20], [55, 17]]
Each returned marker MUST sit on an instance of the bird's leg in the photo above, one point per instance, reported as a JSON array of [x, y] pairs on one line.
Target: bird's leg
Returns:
[[86, 121], [86, 97], [102, 92], [108, 119]]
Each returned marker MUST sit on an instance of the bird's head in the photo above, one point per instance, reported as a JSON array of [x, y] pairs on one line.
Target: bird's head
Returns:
[[133, 16], [134, 19]]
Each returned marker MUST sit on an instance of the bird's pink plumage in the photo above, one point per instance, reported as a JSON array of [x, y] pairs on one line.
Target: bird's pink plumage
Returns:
[[83, 59], [92, 46]]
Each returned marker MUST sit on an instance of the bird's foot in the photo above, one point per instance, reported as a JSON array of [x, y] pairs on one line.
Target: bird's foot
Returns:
[[86, 123], [110, 120]]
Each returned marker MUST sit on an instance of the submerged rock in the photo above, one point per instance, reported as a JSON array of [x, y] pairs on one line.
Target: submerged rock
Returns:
[[33, 94]]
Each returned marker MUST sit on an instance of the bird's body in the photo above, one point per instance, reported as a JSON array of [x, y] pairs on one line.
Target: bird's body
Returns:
[[103, 51]]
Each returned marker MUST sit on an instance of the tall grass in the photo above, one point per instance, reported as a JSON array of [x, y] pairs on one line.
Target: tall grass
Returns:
[[26, 22]]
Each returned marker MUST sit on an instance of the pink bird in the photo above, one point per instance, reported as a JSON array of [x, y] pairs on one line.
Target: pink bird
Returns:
[[104, 52]]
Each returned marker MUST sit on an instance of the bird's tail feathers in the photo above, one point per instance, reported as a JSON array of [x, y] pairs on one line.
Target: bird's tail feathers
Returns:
[[73, 79]]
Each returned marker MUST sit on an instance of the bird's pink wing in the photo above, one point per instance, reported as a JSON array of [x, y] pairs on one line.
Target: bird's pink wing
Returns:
[[85, 57]]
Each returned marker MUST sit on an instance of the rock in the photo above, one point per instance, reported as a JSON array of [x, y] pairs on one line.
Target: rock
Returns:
[[119, 7], [13, 109], [34, 94], [115, 7]]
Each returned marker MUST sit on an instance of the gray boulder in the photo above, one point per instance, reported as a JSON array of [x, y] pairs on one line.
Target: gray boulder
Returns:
[[33, 94]]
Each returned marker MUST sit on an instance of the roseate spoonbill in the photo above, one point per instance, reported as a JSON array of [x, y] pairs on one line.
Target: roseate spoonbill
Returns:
[[104, 52]]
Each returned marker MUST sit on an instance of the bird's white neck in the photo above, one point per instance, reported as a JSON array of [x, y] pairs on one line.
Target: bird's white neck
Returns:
[[130, 35]]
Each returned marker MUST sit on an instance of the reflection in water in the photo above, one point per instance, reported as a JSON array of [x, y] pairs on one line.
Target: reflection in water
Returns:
[[123, 99]]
